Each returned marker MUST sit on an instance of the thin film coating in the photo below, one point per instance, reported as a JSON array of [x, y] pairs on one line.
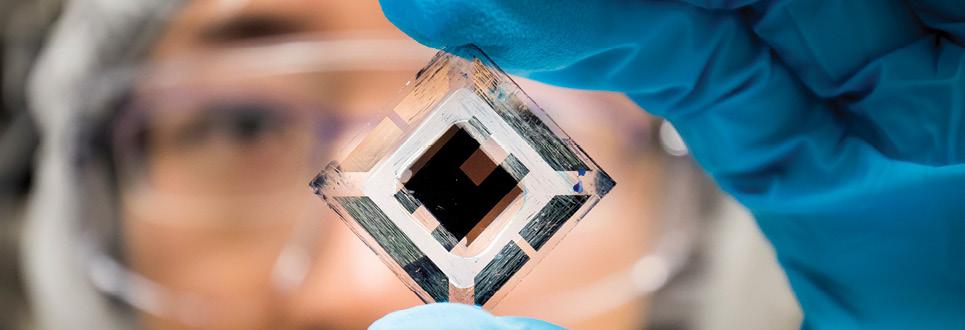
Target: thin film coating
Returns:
[[465, 184]]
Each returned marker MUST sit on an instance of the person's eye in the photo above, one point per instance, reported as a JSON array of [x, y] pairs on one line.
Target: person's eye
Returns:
[[235, 124], [251, 27], [250, 123]]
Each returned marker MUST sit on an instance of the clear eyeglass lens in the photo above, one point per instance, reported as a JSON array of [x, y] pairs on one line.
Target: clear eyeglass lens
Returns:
[[212, 159]]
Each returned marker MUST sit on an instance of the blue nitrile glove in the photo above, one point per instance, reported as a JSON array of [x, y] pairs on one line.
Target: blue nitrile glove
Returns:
[[839, 124], [454, 316]]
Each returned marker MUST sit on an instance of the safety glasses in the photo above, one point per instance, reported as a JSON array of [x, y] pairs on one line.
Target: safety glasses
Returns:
[[212, 154]]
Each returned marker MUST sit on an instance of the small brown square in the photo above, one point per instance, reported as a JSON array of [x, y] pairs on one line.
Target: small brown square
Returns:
[[478, 166]]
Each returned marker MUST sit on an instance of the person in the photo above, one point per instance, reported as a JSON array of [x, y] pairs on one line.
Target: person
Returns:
[[838, 124], [178, 139]]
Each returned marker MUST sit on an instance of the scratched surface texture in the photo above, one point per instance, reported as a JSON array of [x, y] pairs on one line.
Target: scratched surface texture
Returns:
[[464, 184]]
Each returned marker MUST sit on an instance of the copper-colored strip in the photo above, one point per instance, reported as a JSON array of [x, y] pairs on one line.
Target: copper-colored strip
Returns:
[[492, 214]]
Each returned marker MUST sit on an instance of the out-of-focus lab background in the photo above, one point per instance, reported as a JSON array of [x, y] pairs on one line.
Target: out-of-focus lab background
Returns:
[[154, 157]]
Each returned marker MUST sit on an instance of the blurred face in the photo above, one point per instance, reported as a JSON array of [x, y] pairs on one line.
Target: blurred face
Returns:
[[217, 152]]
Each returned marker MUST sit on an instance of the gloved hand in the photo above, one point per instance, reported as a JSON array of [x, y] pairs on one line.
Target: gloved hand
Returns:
[[839, 124]]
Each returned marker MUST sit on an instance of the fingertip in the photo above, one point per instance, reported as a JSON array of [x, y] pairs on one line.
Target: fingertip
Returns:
[[422, 20], [452, 316], [528, 323], [432, 316]]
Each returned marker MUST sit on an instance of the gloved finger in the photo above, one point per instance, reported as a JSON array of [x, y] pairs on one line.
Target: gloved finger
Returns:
[[947, 16], [826, 42], [744, 116], [454, 316], [583, 44]]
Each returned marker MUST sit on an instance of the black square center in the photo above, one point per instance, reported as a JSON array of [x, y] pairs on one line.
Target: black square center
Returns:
[[451, 181]]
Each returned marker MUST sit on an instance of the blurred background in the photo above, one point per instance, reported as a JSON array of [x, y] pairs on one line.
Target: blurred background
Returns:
[[154, 160]]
